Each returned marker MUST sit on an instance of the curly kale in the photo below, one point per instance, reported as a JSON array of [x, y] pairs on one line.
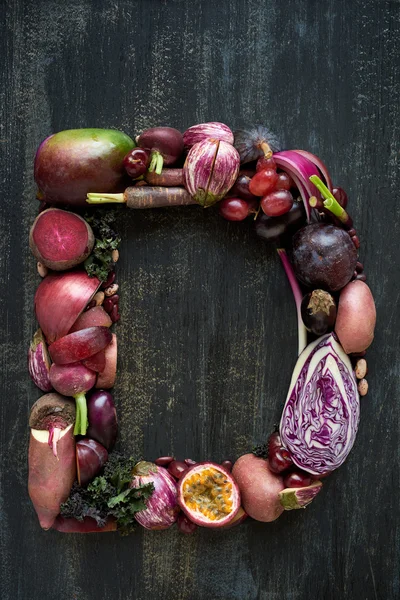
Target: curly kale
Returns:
[[100, 262], [109, 495], [261, 450]]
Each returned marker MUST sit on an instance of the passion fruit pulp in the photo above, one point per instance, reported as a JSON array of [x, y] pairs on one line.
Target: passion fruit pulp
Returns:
[[208, 495]]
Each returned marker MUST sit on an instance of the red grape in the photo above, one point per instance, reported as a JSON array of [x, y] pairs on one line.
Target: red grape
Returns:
[[136, 162], [234, 209], [279, 460], [297, 479], [263, 182], [177, 468], [274, 441], [340, 196], [265, 163], [241, 188], [277, 203], [285, 182]]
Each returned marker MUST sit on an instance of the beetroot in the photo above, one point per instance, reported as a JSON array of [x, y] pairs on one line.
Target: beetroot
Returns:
[[60, 239], [166, 145], [74, 380]]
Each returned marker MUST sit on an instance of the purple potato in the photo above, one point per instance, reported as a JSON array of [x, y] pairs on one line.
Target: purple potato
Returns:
[[102, 417], [90, 459]]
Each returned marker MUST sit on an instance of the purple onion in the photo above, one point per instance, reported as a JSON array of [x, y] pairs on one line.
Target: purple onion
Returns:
[[39, 362], [162, 506], [320, 418], [102, 417]]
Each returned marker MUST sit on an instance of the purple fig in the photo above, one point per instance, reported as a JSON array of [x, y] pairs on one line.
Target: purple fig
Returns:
[[90, 459]]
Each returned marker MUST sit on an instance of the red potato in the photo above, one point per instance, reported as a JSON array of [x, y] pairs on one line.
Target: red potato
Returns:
[[94, 317], [259, 488], [88, 525], [79, 345], [60, 239], [106, 379], [50, 477], [356, 317]]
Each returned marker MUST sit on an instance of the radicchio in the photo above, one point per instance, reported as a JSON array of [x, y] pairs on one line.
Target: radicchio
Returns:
[[321, 414]]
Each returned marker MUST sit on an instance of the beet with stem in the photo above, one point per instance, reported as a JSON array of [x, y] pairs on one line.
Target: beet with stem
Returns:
[[74, 380]]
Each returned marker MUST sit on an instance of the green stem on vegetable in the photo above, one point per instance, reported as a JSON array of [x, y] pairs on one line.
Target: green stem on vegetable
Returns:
[[95, 198], [159, 164], [81, 420], [330, 202]]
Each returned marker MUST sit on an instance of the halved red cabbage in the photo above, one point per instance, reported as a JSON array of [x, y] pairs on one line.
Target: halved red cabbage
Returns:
[[321, 414]]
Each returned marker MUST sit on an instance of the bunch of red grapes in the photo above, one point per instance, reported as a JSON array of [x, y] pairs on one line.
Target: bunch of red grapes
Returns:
[[267, 188]]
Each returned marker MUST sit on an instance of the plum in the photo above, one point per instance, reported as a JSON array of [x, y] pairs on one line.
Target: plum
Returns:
[[323, 256], [102, 416], [71, 163]]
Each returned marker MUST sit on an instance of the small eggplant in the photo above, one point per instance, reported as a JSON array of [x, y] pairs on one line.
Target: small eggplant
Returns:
[[102, 417], [206, 131], [90, 459], [39, 362], [162, 507], [210, 170]]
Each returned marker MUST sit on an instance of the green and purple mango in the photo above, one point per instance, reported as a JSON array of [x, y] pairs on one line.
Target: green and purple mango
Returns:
[[70, 164]]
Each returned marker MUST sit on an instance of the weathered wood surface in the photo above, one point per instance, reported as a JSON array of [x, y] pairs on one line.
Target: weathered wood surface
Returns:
[[208, 332]]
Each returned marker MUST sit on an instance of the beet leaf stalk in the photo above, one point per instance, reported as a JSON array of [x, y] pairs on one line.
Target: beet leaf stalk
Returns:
[[301, 330]]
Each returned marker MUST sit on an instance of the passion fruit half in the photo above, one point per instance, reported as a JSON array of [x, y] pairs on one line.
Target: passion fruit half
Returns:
[[208, 495]]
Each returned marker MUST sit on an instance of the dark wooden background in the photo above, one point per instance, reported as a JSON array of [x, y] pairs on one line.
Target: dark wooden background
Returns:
[[208, 332]]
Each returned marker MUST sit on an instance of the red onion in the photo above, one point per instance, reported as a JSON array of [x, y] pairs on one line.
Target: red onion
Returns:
[[162, 506], [300, 169], [60, 299], [319, 164]]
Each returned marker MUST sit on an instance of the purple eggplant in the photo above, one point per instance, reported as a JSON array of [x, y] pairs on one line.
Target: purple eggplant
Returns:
[[90, 459], [162, 507], [39, 362], [102, 417]]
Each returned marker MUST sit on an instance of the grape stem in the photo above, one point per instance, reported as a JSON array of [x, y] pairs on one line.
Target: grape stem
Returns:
[[301, 330], [330, 202], [95, 198]]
